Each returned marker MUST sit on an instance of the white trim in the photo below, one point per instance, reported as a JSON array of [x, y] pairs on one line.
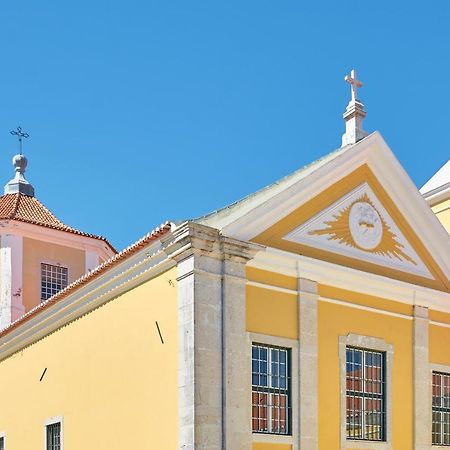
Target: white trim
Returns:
[[439, 324], [293, 345], [255, 217], [365, 308], [369, 343], [58, 237], [51, 421], [324, 272], [271, 287], [344, 303], [438, 195]]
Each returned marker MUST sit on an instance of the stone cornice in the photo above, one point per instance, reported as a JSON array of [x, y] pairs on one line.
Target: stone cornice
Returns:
[[193, 238], [183, 241], [57, 237]]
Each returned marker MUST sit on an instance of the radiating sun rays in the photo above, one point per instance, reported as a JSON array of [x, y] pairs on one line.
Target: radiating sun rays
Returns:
[[338, 229]]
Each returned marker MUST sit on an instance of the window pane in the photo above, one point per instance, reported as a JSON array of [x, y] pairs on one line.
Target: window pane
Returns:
[[270, 389], [436, 428], [441, 408], [279, 411], [54, 436], [53, 279], [365, 394], [354, 417], [259, 411]]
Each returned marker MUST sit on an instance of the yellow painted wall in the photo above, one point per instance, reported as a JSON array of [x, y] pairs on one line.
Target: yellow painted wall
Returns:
[[35, 252], [442, 211], [439, 345], [267, 446], [108, 375], [336, 320], [272, 312], [439, 316], [271, 278], [364, 300]]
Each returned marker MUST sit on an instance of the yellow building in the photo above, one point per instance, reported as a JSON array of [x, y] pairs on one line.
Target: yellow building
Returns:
[[311, 315]]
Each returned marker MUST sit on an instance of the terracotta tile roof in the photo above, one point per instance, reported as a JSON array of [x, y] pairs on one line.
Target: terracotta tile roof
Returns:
[[87, 278], [30, 210]]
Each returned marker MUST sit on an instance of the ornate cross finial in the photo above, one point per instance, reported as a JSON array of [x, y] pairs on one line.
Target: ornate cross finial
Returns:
[[354, 83], [20, 135], [354, 113]]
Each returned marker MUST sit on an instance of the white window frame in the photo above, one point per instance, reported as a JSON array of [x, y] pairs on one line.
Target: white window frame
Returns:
[[52, 421], [56, 264], [292, 345], [369, 343]]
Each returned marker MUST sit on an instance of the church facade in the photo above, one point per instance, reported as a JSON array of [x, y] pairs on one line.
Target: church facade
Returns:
[[311, 315]]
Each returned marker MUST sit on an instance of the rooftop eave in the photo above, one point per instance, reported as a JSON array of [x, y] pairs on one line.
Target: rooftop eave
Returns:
[[438, 195]]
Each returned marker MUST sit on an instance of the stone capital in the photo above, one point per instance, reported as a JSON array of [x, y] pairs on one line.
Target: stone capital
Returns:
[[191, 238]]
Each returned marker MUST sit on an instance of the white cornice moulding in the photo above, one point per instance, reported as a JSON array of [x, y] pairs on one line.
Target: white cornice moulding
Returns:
[[58, 237], [342, 277]]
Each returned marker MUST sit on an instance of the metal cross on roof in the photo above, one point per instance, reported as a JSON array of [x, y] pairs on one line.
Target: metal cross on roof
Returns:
[[354, 83], [20, 135]]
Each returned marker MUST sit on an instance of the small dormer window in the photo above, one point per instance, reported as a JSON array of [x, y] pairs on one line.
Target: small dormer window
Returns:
[[53, 279]]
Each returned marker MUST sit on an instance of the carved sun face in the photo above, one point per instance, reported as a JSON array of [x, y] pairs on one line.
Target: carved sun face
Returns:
[[361, 226], [365, 225]]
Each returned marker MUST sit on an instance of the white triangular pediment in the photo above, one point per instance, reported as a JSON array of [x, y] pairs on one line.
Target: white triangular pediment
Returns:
[[255, 217], [358, 226]]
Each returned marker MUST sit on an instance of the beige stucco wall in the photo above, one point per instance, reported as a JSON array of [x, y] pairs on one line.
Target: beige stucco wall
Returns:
[[108, 375], [35, 252], [442, 211]]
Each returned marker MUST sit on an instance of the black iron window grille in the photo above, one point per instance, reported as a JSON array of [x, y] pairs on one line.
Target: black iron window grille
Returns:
[[54, 436], [441, 409], [53, 279], [2, 443], [271, 387], [365, 394]]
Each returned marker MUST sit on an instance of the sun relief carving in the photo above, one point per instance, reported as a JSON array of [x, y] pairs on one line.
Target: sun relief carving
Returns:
[[360, 225]]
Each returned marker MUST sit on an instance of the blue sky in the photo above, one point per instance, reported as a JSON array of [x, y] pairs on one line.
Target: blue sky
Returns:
[[142, 111]]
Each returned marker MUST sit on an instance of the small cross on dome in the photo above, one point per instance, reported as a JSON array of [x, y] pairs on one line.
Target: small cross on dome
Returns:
[[354, 83], [20, 135]]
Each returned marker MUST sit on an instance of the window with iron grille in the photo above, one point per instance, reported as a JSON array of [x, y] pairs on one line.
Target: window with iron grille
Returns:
[[271, 385], [53, 279], [441, 409], [365, 394], [54, 436], [2, 443]]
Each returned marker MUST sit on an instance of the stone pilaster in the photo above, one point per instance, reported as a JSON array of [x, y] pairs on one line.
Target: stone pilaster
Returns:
[[91, 260], [421, 380], [308, 364], [214, 364], [11, 303], [237, 360]]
